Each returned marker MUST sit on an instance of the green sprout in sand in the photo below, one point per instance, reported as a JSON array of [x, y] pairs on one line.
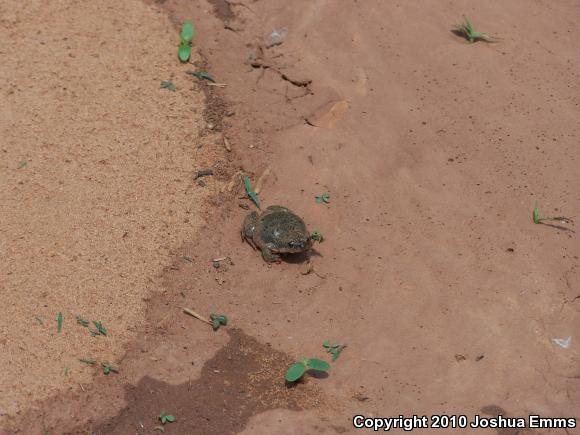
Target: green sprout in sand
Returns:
[[297, 370], [185, 44], [467, 30], [541, 219]]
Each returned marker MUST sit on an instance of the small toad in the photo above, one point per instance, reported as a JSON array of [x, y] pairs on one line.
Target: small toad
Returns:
[[276, 231]]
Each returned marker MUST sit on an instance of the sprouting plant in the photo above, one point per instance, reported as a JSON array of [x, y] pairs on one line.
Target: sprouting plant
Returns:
[[169, 85], [324, 197], [467, 30], [166, 418], [297, 370], [100, 328], [251, 194], [316, 236], [333, 349], [185, 45], [539, 219], [108, 368], [82, 322], [217, 320], [202, 75], [59, 320]]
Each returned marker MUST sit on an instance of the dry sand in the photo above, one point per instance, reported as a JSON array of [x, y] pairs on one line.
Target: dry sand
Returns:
[[95, 182]]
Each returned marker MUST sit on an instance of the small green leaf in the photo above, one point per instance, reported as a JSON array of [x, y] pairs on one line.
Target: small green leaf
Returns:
[[184, 52], [217, 320], [318, 364], [295, 372], [317, 237], [202, 75], [254, 197], [247, 184], [108, 368], [168, 85], [221, 317], [469, 32], [88, 361], [335, 352], [82, 321], [22, 164], [59, 320], [251, 194], [325, 197], [166, 418], [326, 344], [468, 25], [536, 214], [100, 328], [187, 32]]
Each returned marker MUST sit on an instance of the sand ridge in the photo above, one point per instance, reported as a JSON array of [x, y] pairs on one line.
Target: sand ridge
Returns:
[[95, 181]]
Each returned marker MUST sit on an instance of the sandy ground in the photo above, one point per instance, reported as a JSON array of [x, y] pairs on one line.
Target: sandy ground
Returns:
[[95, 182], [432, 272]]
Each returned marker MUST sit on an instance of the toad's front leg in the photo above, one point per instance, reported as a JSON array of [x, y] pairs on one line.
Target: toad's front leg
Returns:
[[268, 255]]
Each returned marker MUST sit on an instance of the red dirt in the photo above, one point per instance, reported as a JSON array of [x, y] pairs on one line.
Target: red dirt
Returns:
[[432, 271]]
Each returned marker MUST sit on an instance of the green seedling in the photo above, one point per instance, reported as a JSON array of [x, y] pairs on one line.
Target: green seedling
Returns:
[[540, 219], [202, 75], [297, 370], [100, 328], [39, 320], [82, 322], [66, 371], [168, 84], [217, 320], [467, 30], [59, 320], [325, 197], [108, 368], [333, 349], [251, 194], [186, 35], [88, 361], [22, 164], [316, 236], [166, 418]]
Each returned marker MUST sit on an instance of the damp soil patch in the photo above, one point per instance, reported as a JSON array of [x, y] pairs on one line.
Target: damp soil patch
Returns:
[[244, 378], [222, 9]]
